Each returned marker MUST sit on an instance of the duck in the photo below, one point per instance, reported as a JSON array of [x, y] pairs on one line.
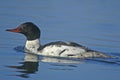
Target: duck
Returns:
[[53, 49]]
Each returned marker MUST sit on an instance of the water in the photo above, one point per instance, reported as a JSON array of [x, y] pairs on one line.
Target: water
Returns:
[[92, 23]]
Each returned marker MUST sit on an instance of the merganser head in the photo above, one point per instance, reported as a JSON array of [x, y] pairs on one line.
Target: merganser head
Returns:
[[30, 30]]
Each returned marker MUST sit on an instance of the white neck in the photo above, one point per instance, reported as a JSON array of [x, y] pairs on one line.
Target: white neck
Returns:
[[32, 45]]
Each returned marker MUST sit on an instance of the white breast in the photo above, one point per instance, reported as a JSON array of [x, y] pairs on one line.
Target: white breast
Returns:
[[32, 46]]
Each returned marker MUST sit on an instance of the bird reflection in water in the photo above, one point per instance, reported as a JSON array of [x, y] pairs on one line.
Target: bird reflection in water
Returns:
[[29, 66], [26, 68], [31, 63]]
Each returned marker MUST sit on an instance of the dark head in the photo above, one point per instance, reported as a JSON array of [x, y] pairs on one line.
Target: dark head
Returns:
[[30, 30]]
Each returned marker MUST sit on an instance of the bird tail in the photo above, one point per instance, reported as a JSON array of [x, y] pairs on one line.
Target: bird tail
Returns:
[[96, 54]]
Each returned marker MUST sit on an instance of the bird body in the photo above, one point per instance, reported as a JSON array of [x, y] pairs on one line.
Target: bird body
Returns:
[[54, 49]]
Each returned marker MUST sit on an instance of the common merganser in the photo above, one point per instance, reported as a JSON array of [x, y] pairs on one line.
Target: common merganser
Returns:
[[54, 49]]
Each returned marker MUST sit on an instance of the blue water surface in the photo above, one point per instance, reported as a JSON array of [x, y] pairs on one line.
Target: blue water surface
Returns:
[[92, 23]]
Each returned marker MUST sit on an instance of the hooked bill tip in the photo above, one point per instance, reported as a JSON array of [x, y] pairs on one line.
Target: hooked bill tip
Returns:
[[7, 30]]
